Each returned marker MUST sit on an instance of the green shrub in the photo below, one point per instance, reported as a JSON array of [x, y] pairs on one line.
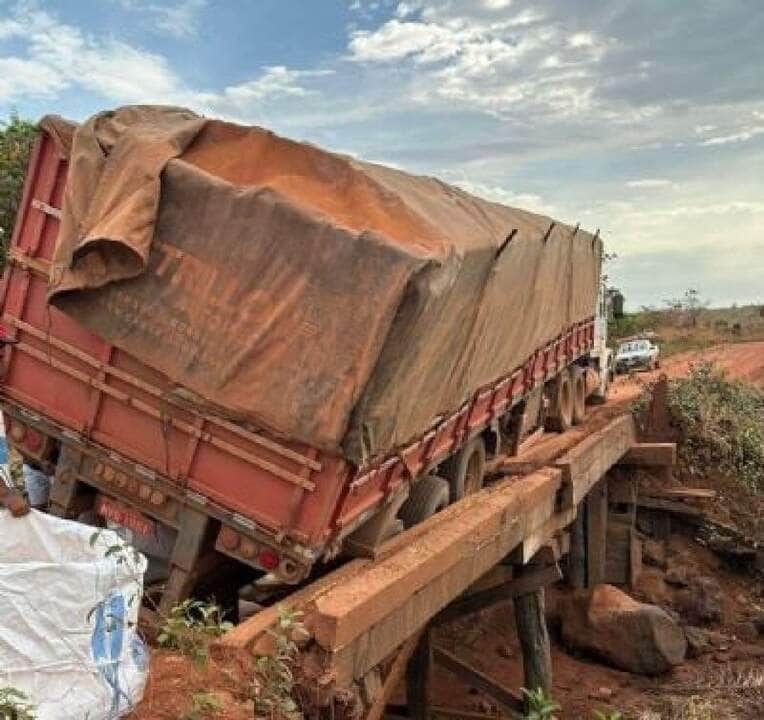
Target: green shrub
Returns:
[[190, 628], [540, 706], [721, 423]]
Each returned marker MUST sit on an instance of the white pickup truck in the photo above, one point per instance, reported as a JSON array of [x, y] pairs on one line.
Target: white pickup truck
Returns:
[[637, 353]]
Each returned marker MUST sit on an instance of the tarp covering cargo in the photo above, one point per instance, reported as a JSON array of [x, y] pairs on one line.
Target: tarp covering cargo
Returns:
[[337, 302]]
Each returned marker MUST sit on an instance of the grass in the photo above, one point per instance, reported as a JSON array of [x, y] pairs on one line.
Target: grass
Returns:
[[676, 333]]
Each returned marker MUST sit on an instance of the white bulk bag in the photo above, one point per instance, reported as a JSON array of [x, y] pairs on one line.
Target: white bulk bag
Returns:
[[69, 601]]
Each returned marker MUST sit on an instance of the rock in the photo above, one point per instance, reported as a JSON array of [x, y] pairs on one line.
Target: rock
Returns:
[[701, 642], [654, 553], [627, 634], [746, 631], [678, 576], [701, 602]]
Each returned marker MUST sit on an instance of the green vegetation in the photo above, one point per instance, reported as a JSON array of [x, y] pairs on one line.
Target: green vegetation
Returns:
[[14, 705], [16, 138], [203, 706], [690, 325], [721, 422], [540, 706], [191, 627], [274, 681]]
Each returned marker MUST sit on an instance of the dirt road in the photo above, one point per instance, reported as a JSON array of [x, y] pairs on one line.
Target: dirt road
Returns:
[[744, 361]]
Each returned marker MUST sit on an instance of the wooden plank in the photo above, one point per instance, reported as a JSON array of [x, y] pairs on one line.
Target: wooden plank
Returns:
[[596, 534], [650, 454], [683, 494], [584, 465], [253, 630], [528, 582], [669, 506], [381, 638], [477, 679], [470, 537]]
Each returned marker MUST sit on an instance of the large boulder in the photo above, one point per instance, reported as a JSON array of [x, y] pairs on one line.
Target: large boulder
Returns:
[[617, 629]]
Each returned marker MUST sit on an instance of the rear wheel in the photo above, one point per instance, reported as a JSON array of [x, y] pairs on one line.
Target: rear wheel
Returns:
[[578, 380], [560, 393], [427, 496], [466, 469]]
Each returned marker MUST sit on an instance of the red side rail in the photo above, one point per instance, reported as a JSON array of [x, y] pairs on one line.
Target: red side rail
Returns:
[[267, 492]]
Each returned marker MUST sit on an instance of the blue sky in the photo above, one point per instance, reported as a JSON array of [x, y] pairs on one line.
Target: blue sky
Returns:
[[641, 117]]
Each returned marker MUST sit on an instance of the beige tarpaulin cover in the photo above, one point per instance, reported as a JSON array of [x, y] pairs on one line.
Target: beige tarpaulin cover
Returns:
[[337, 302]]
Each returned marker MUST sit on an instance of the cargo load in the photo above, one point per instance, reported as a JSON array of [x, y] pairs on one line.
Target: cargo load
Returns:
[[339, 303]]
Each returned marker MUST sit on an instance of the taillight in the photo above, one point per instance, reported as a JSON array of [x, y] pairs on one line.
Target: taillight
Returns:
[[268, 559]]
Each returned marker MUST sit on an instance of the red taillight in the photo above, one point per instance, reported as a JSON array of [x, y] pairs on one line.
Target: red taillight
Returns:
[[268, 560]]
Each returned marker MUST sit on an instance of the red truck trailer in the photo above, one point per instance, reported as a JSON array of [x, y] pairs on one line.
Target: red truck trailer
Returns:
[[129, 438]]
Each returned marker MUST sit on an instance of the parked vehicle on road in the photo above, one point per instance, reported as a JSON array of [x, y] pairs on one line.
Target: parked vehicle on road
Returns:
[[276, 353], [637, 353]]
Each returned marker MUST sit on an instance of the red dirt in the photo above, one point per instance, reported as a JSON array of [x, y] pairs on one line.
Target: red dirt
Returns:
[[174, 681]]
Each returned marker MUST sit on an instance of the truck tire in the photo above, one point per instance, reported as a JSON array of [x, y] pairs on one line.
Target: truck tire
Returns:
[[465, 470], [427, 496], [578, 382], [560, 394]]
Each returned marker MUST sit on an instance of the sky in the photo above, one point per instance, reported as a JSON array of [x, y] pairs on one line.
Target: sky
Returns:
[[643, 118]]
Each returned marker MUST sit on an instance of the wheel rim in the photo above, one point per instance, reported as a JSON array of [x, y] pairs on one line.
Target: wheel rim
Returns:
[[472, 476]]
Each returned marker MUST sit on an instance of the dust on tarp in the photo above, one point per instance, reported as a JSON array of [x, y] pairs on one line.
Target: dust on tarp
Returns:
[[340, 303]]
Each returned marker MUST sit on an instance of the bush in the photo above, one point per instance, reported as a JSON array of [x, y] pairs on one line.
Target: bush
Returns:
[[190, 628], [721, 423]]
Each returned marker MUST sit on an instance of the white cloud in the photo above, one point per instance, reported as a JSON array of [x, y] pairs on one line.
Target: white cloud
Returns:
[[735, 137], [581, 40], [496, 4], [10, 29], [19, 77], [499, 194], [59, 55], [650, 183], [497, 64], [397, 40], [177, 18]]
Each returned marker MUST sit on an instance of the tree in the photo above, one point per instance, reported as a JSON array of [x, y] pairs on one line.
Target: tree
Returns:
[[16, 138], [690, 305]]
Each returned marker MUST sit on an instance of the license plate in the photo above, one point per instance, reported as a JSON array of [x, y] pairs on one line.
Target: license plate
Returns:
[[125, 516]]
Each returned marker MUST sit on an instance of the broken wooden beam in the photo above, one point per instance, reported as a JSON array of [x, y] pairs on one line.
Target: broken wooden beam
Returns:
[[650, 454]]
